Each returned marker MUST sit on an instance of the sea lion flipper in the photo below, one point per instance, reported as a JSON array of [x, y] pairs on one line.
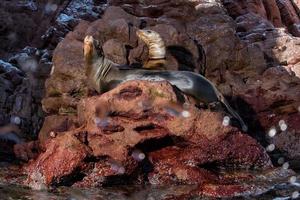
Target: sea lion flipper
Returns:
[[233, 113]]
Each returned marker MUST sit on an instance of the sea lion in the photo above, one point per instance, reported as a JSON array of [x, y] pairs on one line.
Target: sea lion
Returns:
[[157, 49], [104, 75], [157, 52]]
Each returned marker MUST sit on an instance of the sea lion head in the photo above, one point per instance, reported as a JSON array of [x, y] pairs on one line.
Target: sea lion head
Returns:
[[89, 48], [154, 42], [148, 36]]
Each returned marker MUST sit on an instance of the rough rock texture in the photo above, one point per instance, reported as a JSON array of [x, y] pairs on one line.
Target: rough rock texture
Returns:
[[116, 32], [137, 119], [67, 82], [92, 141], [273, 93], [27, 54], [19, 18], [56, 123], [18, 101], [250, 40], [50, 20], [63, 156], [281, 13]]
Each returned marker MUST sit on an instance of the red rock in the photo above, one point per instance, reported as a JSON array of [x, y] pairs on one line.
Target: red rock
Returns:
[[220, 42], [100, 172], [169, 168], [274, 96], [56, 124], [287, 140], [63, 158], [146, 116], [247, 58], [288, 12], [223, 190]]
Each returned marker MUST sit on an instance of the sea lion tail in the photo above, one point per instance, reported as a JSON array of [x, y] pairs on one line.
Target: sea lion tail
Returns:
[[233, 112]]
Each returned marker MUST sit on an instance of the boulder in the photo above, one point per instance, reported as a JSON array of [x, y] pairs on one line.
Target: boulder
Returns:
[[142, 131]]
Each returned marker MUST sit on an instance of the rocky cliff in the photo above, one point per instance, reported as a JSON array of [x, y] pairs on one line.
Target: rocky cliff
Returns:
[[250, 56], [249, 49]]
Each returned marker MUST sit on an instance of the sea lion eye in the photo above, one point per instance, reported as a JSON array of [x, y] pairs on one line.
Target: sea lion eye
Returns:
[[148, 31]]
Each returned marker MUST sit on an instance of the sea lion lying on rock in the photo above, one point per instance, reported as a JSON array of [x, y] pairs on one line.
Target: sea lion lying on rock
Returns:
[[103, 75]]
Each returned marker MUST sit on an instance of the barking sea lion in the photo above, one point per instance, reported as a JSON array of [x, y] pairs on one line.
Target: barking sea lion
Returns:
[[103, 75]]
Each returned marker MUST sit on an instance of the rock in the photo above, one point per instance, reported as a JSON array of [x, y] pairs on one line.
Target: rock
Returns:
[[112, 24], [273, 96], [251, 57], [54, 124], [115, 51], [31, 52], [26, 151], [67, 84], [289, 15], [173, 165], [279, 13], [251, 22], [19, 19], [250, 44], [176, 141], [276, 58], [16, 99], [60, 159], [116, 24], [12, 174], [273, 12]]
